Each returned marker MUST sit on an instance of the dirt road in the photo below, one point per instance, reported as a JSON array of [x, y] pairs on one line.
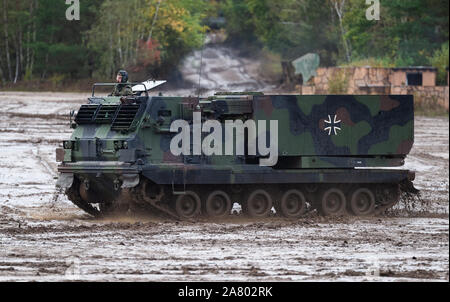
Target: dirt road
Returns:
[[43, 238]]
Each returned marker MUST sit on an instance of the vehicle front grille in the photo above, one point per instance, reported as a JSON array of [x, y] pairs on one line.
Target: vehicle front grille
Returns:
[[86, 114], [125, 117], [120, 117], [106, 114]]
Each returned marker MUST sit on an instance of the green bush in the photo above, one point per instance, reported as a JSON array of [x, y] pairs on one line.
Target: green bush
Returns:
[[440, 61], [270, 67], [338, 84], [372, 62]]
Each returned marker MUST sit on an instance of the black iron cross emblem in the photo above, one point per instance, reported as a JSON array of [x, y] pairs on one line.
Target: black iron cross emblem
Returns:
[[333, 125]]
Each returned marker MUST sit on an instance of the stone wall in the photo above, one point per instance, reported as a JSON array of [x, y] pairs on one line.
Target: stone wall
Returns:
[[366, 80], [426, 95], [356, 80]]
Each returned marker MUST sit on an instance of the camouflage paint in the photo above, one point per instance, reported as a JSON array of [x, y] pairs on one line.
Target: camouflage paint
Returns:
[[376, 131]]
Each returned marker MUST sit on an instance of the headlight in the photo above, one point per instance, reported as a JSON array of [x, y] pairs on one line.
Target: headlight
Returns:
[[118, 145], [68, 145]]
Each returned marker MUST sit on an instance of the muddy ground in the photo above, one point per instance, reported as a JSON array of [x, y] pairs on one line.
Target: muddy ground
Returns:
[[43, 238]]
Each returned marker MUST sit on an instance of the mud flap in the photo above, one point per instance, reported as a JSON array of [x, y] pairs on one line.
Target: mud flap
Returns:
[[130, 181], [65, 181]]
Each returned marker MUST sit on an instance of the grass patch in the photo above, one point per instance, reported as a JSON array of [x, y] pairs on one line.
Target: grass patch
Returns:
[[338, 84]]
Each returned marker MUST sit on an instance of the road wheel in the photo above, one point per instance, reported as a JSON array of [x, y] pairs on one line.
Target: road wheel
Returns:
[[258, 205], [73, 194], [362, 202], [332, 202], [188, 206], [293, 204], [218, 204], [151, 192]]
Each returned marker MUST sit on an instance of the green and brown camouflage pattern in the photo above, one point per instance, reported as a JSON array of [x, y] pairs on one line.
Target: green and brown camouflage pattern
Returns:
[[122, 142]]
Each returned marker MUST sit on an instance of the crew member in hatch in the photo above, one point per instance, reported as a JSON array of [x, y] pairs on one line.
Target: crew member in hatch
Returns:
[[123, 88]]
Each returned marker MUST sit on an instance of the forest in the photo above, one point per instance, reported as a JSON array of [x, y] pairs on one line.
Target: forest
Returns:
[[152, 36]]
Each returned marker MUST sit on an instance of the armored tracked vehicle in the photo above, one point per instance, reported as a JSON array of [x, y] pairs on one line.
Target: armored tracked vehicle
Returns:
[[187, 157]]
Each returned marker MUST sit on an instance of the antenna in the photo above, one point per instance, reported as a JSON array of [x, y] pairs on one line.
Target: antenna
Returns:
[[201, 63]]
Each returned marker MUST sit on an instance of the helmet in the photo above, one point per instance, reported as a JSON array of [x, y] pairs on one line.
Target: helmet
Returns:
[[124, 75]]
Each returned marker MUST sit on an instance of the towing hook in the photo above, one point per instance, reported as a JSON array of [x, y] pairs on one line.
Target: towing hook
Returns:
[[116, 184], [86, 184]]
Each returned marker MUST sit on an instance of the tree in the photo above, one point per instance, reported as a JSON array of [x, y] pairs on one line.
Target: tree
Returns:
[[150, 37], [407, 34], [340, 8], [146, 36], [440, 60], [290, 28], [38, 40]]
